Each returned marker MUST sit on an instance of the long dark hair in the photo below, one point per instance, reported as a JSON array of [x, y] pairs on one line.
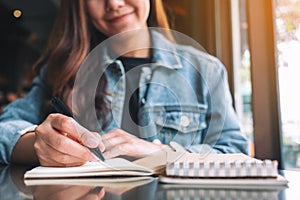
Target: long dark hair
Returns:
[[72, 38]]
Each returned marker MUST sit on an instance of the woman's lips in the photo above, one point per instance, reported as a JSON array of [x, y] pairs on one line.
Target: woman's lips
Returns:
[[118, 18]]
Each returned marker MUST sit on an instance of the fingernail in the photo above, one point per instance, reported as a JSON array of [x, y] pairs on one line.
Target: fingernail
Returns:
[[92, 142]]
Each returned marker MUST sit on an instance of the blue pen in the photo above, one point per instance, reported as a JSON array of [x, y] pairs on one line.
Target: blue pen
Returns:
[[62, 108]]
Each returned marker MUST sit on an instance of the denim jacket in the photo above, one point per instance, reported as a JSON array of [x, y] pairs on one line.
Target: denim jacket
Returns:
[[183, 94]]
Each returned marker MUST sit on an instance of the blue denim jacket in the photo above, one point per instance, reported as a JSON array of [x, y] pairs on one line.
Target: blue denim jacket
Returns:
[[184, 97]]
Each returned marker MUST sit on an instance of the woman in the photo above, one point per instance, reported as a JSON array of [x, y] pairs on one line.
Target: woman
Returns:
[[177, 93]]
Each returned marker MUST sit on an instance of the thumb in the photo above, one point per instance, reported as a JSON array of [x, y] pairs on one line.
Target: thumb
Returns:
[[92, 140]]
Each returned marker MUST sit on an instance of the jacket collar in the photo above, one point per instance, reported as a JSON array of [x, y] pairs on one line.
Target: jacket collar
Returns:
[[164, 52]]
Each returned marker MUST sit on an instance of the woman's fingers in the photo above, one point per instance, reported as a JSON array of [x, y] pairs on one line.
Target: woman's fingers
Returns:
[[113, 142], [69, 127], [118, 142], [59, 142], [68, 155], [114, 152]]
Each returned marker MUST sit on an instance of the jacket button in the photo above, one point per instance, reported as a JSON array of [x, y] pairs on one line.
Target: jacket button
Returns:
[[148, 77], [184, 121], [156, 141], [143, 101]]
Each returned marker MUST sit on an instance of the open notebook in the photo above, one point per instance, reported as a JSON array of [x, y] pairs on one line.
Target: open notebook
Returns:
[[177, 168], [149, 165], [112, 167]]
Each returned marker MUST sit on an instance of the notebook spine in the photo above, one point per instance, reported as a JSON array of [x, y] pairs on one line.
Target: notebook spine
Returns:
[[266, 168]]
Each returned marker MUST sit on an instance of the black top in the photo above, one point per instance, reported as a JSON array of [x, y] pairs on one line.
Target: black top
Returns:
[[131, 104]]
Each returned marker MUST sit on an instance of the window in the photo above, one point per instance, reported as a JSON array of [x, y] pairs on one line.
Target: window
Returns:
[[287, 19], [242, 69]]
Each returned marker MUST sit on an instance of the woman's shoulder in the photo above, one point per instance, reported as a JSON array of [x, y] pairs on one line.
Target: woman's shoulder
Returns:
[[198, 58], [183, 46], [188, 53], [198, 53]]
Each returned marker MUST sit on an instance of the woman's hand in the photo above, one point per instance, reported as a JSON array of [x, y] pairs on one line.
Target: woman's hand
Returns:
[[61, 141], [120, 143]]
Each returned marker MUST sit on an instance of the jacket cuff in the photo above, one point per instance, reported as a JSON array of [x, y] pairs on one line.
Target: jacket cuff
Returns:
[[27, 130]]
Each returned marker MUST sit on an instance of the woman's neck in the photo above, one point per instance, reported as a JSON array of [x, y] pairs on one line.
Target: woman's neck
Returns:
[[135, 44]]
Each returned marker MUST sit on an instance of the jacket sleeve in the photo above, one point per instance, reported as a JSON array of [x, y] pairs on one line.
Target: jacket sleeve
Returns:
[[21, 114], [223, 134]]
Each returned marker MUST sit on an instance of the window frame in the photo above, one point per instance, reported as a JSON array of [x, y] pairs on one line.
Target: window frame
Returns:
[[264, 74]]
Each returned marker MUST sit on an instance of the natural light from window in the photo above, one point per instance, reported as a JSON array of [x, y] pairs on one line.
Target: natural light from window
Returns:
[[287, 13]]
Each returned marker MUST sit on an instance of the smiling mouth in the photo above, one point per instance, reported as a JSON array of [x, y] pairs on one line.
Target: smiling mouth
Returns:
[[118, 18]]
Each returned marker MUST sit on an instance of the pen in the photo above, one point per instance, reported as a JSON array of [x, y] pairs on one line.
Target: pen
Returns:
[[62, 108]]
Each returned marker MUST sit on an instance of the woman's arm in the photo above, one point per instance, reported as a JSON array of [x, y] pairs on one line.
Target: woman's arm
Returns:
[[23, 152], [223, 134], [58, 141], [21, 114]]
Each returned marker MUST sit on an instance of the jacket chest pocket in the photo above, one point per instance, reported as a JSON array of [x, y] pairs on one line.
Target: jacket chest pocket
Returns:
[[183, 124]]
